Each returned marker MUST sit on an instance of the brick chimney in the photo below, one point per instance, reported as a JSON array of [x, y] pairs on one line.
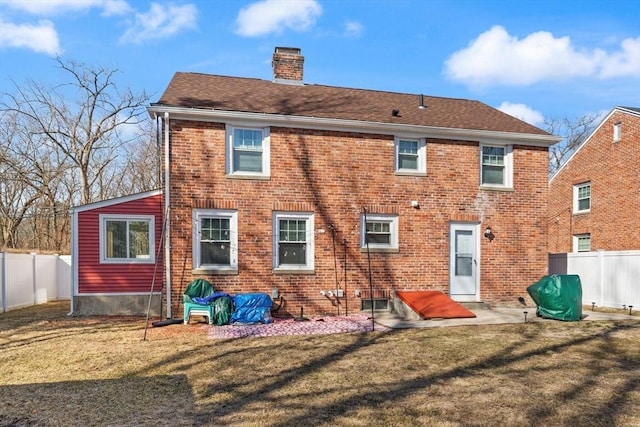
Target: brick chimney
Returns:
[[287, 65]]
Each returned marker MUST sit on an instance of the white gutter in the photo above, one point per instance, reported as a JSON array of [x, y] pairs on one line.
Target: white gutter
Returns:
[[340, 125], [167, 210]]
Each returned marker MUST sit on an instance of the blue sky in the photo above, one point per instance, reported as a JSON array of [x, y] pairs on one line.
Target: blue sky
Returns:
[[532, 59]]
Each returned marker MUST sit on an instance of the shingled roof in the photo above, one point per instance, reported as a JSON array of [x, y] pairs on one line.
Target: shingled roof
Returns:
[[238, 94]]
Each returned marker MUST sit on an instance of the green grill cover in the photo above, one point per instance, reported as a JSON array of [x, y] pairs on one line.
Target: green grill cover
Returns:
[[558, 297]]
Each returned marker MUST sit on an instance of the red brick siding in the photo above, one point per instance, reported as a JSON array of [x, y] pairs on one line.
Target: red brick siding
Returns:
[[336, 174], [614, 172], [94, 277]]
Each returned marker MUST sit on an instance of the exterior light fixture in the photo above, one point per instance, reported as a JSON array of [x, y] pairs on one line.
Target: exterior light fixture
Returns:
[[488, 233]]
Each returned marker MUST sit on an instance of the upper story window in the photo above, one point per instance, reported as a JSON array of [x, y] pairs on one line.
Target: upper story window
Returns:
[[215, 240], [293, 242], [582, 243], [582, 197], [410, 156], [617, 132], [496, 166], [380, 232], [248, 151], [127, 239]]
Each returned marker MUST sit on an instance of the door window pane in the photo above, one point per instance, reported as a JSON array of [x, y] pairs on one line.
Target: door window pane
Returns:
[[464, 253]]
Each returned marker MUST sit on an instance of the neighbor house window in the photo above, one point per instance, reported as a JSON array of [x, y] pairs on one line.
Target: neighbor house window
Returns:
[[582, 197], [617, 132], [410, 156], [379, 232], [496, 168], [582, 243], [126, 238], [293, 241], [248, 151], [215, 240]]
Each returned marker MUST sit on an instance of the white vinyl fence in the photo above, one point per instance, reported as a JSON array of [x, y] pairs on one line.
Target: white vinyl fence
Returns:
[[609, 279], [30, 279]]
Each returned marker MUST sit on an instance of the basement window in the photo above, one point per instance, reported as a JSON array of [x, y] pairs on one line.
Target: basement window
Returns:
[[379, 304]]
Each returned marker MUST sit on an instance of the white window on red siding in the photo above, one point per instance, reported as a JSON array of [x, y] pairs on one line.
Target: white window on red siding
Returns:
[[127, 239]]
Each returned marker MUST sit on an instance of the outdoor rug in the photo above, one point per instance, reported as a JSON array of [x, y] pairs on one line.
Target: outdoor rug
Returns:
[[434, 305], [289, 326]]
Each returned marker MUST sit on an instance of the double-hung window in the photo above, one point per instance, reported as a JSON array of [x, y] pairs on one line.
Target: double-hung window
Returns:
[[582, 197], [496, 167], [248, 151], [293, 242], [379, 232], [410, 156], [215, 240], [127, 239]]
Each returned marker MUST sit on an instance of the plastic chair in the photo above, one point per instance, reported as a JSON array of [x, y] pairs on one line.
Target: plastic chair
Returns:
[[199, 288]]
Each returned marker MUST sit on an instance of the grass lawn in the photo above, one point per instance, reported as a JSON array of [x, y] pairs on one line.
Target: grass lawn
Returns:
[[95, 371]]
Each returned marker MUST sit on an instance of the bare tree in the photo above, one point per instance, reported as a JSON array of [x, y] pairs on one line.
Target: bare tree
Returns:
[[81, 119], [574, 133], [62, 146]]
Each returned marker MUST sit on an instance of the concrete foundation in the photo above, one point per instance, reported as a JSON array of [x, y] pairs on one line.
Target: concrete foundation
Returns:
[[116, 305]]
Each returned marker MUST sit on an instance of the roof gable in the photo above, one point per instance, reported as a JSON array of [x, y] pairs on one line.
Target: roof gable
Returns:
[[632, 111]]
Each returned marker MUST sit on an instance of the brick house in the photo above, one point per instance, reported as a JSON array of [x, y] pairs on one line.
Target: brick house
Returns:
[[594, 198], [269, 185]]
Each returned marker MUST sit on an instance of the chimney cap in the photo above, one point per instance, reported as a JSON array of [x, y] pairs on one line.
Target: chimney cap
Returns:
[[289, 50]]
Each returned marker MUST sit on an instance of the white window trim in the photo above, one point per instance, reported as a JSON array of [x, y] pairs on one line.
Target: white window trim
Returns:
[[393, 228], [508, 167], [103, 218], [266, 153], [617, 131], [576, 210], [310, 257], [576, 240], [422, 156], [232, 216]]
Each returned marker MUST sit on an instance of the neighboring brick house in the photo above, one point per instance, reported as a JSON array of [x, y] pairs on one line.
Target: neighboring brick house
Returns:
[[594, 200], [268, 184]]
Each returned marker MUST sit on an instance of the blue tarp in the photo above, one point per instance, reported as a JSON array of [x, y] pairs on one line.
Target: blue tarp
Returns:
[[252, 308]]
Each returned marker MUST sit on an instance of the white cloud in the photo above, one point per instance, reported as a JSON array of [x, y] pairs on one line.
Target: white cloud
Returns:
[[41, 38], [497, 58], [160, 22], [273, 16], [522, 112], [353, 28], [53, 7]]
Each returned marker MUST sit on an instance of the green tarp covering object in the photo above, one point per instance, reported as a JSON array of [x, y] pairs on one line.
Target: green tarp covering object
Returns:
[[558, 297]]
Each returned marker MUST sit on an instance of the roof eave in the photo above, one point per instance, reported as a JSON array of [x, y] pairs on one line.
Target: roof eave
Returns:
[[342, 125]]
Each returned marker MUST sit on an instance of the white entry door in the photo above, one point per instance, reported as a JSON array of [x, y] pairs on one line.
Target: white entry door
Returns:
[[463, 265]]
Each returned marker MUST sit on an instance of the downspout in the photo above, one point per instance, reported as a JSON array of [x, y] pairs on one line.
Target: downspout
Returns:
[[167, 210], [74, 258]]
